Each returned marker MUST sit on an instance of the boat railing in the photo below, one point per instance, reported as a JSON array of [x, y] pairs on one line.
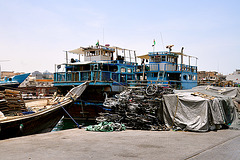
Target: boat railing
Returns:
[[72, 76], [77, 76], [170, 83], [166, 67], [118, 62]]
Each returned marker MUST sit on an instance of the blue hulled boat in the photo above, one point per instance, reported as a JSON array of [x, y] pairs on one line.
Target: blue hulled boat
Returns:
[[111, 69], [162, 67], [12, 82], [107, 68]]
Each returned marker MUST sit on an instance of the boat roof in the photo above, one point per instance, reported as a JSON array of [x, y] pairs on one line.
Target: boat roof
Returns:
[[77, 51], [82, 49], [79, 63], [146, 56]]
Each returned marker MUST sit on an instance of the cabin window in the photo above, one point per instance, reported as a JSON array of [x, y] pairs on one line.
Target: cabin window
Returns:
[[129, 77], [184, 77], [115, 77], [152, 59], [163, 58], [161, 74], [123, 69], [92, 53], [122, 78], [155, 74], [190, 77], [129, 70], [194, 77], [106, 76], [157, 59]]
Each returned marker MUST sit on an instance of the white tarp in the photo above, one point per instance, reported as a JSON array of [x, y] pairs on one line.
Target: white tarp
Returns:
[[194, 113]]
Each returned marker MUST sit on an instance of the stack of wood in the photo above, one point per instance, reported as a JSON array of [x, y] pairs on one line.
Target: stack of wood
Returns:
[[14, 101], [3, 104]]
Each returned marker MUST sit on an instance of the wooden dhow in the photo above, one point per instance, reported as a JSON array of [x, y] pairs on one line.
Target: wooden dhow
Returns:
[[41, 121]]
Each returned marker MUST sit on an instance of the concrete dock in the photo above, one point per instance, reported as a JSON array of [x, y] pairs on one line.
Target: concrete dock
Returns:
[[131, 144]]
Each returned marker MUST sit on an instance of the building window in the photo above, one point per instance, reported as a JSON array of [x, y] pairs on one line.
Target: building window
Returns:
[[129, 70]]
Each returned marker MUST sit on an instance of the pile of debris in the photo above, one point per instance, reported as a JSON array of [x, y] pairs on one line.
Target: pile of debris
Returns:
[[3, 104], [137, 108]]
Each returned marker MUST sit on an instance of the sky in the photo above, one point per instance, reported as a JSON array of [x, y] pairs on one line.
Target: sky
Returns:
[[35, 34]]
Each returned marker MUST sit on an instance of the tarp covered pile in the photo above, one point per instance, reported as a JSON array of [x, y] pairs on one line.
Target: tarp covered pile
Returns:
[[199, 109], [203, 108]]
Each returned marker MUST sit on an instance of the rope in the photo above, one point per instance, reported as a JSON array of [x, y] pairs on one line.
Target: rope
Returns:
[[71, 117]]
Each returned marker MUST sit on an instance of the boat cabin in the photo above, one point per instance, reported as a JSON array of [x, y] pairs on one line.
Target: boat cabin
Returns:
[[163, 67], [103, 65]]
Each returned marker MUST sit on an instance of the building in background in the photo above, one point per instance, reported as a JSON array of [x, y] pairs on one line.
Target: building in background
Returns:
[[234, 77], [38, 85], [214, 78], [9, 74]]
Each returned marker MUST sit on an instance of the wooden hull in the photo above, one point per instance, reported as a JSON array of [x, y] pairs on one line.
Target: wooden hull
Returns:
[[89, 105], [40, 122], [7, 86]]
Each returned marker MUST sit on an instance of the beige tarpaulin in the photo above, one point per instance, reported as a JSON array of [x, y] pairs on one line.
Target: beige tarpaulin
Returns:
[[77, 51], [146, 56]]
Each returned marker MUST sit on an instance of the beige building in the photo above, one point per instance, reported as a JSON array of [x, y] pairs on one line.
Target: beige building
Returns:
[[208, 76], [9, 74]]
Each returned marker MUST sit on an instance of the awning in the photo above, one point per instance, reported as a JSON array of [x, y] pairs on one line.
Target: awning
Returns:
[[77, 51], [146, 56]]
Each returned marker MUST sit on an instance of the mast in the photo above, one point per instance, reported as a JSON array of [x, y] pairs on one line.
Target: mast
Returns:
[[182, 57], [130, 55], [66, 57], [135, 56]]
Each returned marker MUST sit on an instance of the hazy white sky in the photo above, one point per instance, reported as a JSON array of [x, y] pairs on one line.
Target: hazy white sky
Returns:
[[34, 34]]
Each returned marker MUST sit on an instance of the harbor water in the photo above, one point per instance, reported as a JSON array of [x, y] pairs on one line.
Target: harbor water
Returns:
[[65, 123]]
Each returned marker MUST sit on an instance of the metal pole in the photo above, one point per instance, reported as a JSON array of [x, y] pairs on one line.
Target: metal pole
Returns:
[[182, 58], [189, 58], [66, 57], [130, 55], [135, 56]]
